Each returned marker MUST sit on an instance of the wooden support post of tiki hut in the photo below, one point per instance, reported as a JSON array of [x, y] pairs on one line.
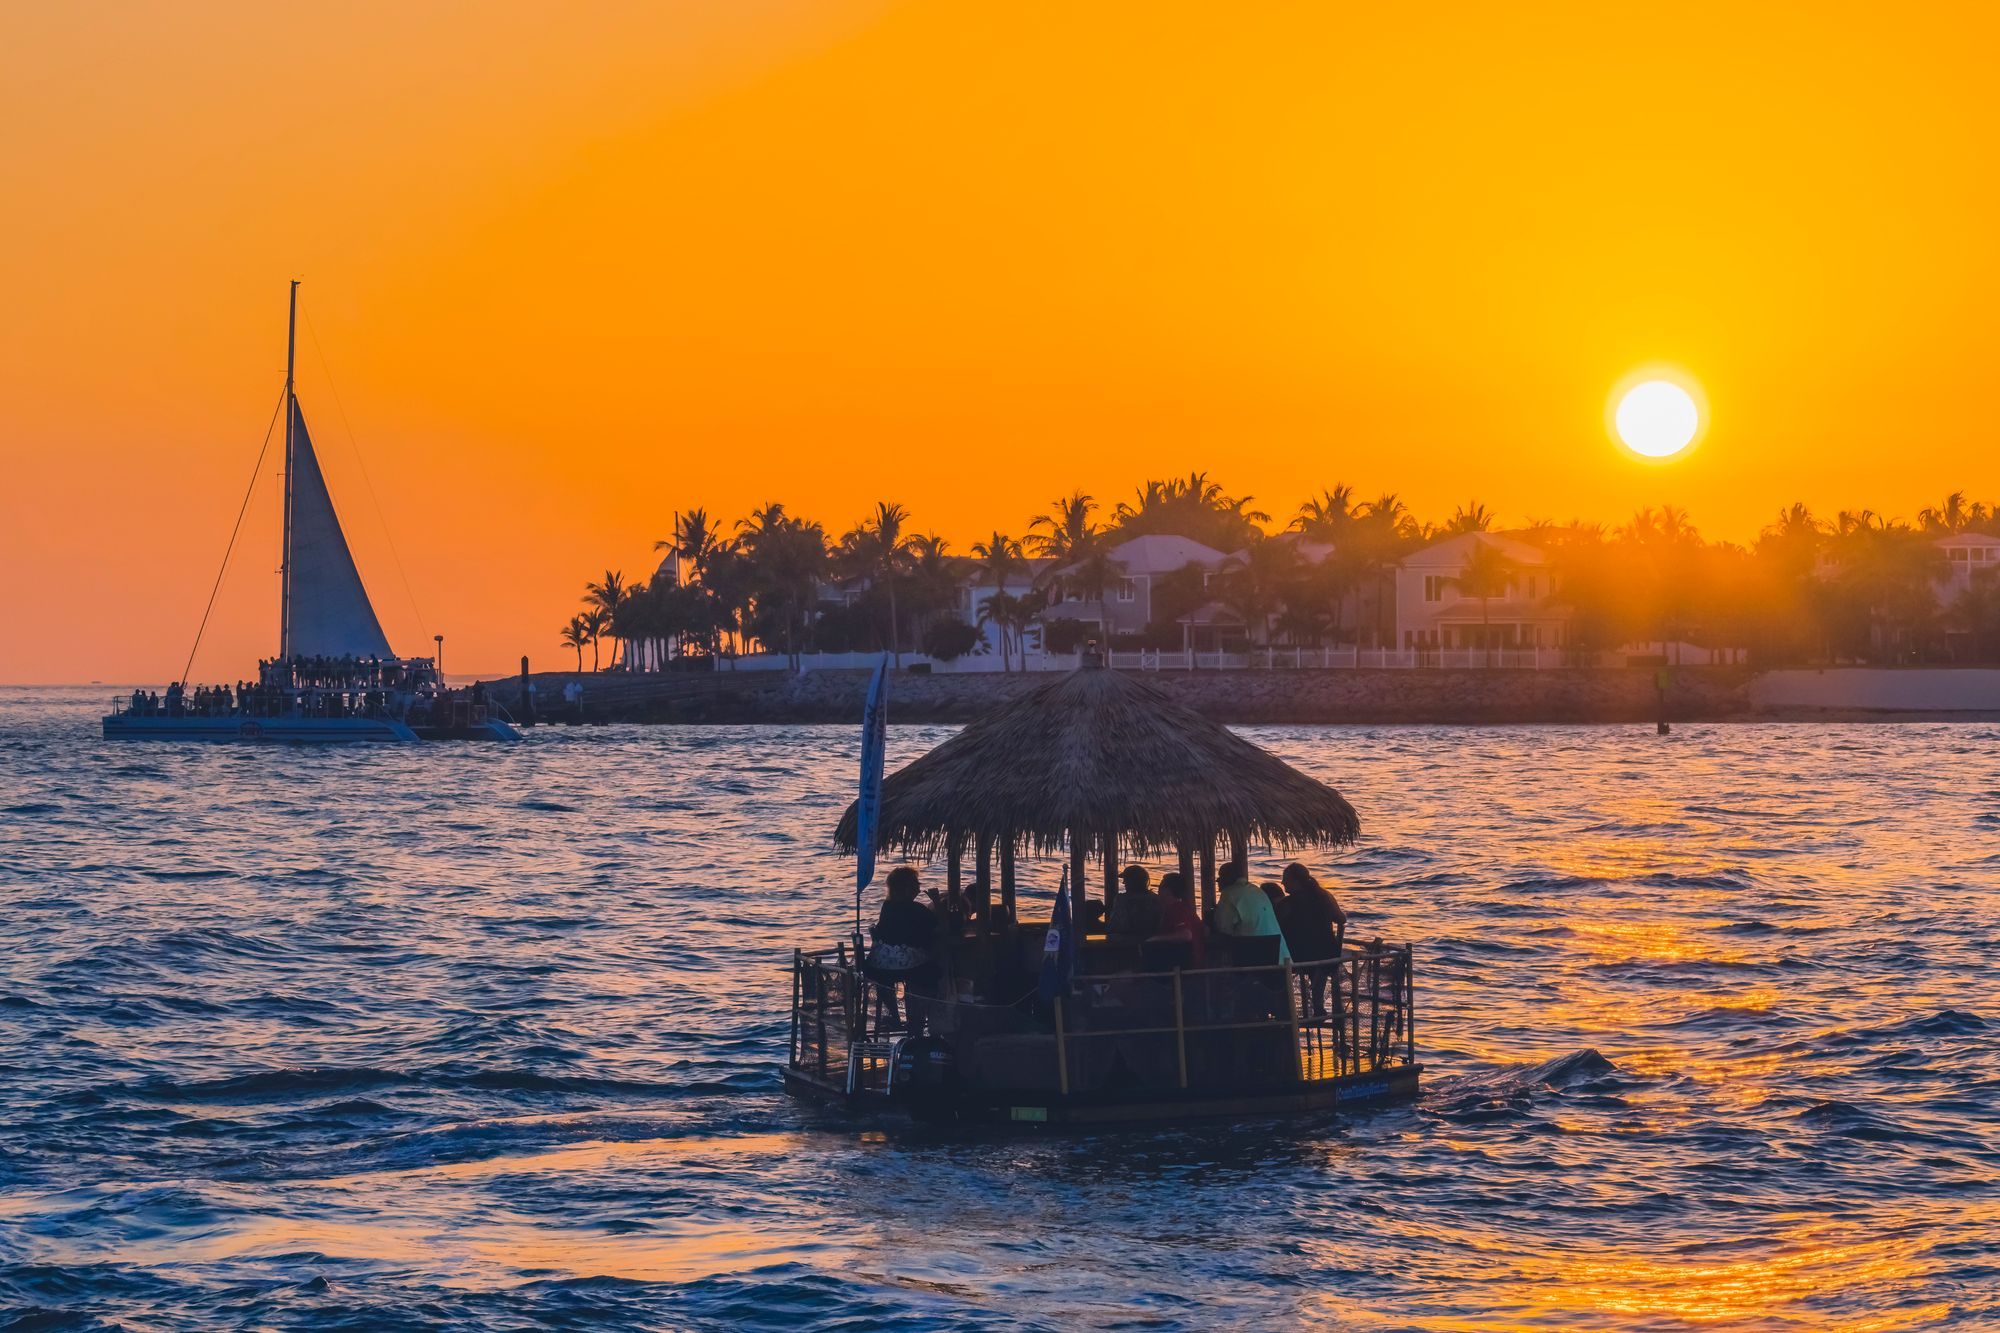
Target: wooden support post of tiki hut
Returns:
[[1079, 850], [1110, 872], [1186, 850], [985, 881], [954, 853], [1207, 878], [1007, 874], [1238, 856]]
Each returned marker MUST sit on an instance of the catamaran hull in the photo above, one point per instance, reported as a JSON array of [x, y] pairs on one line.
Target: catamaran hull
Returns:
[[260, 730], [492, 729]]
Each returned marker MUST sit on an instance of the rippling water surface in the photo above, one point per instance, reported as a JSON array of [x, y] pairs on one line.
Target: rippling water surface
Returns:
[[488, 1037]]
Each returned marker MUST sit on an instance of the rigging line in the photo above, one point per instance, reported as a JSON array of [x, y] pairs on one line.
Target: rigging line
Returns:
[[243, 509], [353, 443]]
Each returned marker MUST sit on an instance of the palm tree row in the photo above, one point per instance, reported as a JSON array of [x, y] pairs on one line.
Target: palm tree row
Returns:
[[1857, 585]]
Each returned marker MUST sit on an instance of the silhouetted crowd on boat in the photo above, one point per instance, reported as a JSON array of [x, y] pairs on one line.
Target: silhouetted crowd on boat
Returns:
[[258, 699], [341, 673], [964, 932], [180, 701]]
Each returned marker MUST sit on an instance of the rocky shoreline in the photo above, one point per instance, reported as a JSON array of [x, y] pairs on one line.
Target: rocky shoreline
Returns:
[[1447, 697]]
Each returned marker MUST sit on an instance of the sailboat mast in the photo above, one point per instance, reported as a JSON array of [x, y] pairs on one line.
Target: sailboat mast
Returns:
[[291, 414]]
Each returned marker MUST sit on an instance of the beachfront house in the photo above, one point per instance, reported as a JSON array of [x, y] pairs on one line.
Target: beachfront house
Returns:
[[1967, 555], [1127, 603], [1440, 606], [976, 591]]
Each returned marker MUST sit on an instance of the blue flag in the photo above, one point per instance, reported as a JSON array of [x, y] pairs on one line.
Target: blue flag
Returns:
[[1059, 949], [868, 809]]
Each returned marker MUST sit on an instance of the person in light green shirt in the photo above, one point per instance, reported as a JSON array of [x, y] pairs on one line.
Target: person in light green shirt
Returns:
[[1243, 911]]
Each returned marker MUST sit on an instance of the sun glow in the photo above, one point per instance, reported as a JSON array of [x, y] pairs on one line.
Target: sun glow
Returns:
[[1657, 418]]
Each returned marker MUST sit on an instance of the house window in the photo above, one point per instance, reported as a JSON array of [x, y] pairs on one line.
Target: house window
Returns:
[[1128, 591], [1531, 585], [1434, 585]]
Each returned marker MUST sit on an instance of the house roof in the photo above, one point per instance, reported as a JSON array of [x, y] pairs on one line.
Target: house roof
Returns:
[[1969, 541], [1211, 613], [1308, 549], [1022, 580], [1452, 552], [1163, 553]]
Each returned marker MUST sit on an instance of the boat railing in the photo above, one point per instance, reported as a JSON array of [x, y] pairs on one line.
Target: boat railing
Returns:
[[1184, 1030]]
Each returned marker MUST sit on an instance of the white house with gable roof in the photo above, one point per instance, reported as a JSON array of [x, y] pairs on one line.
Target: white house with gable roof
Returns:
[[1137, 567], [1433, 610]]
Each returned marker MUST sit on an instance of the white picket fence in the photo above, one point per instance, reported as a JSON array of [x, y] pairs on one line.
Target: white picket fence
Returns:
[[1266, 659]]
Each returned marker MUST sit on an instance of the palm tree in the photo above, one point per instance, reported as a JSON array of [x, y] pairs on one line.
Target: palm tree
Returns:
[[999, 610], [608, 595], [787, 558], [694, 540], [1383, 533], [877, 550], [1471, 516], [1256, 585], [1884, 578], [932, 580], [1066, 531], [1486, 574], [1976, 611], [1192, 506], [1950, 517], [576, 634], [1000, 559], [1327, 518], [595, 623]]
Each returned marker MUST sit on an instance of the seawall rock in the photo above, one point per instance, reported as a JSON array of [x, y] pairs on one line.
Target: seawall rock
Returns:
[[1271, 696]]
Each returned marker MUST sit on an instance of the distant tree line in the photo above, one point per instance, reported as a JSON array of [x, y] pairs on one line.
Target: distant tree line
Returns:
[[1857, 586]]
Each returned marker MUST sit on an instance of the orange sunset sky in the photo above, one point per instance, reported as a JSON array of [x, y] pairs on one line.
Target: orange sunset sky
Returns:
[[574, 267]]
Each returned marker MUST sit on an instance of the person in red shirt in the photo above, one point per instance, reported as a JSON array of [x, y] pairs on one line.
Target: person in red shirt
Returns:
[[1178, 918]]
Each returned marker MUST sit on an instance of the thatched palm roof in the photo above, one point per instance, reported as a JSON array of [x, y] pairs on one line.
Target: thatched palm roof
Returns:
[[1105, 753]]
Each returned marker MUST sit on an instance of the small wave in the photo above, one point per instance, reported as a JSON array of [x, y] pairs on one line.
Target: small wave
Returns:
[[1507, 1091], [1951, 1022], [1720, 879], [1852, 1122], [1576, 1067], [271, 1084]]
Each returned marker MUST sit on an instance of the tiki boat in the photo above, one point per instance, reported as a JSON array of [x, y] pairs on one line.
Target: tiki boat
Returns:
[[1041, 1023]]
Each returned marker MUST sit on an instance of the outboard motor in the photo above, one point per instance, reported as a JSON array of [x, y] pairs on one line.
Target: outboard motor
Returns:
[[923, 1078]]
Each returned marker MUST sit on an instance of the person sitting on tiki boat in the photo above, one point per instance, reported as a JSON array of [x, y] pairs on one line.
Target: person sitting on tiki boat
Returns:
[[1180, 923], [906, 939], [956, 910], [1244, 914], [1137, 911]]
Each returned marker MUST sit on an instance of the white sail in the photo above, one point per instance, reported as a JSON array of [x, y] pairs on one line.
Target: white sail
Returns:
[[330, 612]]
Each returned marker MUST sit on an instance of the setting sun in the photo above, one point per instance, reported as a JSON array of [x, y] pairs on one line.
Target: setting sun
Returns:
[[1657, 418]]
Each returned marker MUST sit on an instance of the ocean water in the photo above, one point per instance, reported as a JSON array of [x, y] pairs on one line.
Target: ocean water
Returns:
[[488, 1037]]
